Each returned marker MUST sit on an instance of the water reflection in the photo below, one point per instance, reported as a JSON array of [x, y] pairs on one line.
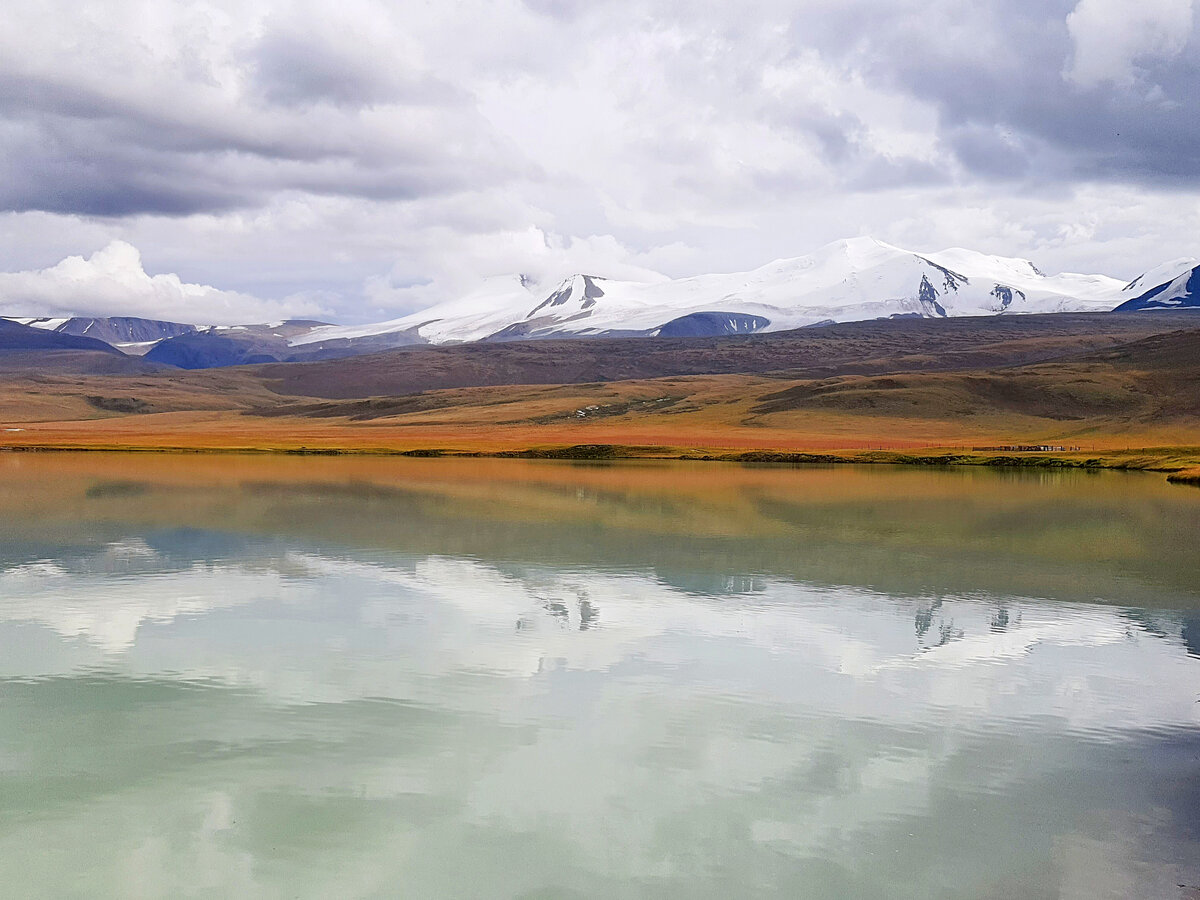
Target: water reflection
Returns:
[[380, 686], [1067, 535]]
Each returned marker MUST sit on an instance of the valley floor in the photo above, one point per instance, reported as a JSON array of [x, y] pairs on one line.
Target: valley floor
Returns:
[[1128, 401], [626, 420]]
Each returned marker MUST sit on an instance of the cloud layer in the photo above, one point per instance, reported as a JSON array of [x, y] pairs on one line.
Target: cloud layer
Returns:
[[376, 156], [112, 282]]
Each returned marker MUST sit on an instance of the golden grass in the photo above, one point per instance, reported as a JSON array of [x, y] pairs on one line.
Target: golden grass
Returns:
[[893, 419]]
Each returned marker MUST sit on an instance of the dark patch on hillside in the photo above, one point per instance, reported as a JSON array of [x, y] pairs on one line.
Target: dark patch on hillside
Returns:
[[1148, 380], [73, 362], [1170, 350], [860, 348], [356, 410], [14, 336], [208, 351], [119, 404], [707, 324]]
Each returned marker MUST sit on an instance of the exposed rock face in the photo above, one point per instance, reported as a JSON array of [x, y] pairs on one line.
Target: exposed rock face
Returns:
[[209, 350], [1181, 292], [14, 336], [124, 329], [707, 324]]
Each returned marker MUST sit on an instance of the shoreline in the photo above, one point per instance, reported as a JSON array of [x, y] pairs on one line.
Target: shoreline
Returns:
[[1178, 463], [1185, 476]]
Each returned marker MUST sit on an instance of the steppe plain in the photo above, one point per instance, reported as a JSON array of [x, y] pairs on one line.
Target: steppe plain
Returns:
[[1096, 390]]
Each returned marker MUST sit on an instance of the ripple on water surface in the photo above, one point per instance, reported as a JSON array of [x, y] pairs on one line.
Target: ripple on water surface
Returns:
[[552, 680]]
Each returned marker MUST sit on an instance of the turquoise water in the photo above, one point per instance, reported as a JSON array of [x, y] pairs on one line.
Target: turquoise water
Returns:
[[322, 677]]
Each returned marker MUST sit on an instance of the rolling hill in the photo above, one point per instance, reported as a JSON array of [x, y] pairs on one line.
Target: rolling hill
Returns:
[[855, 280], [1098, 382], [848, 280], [850, 348]]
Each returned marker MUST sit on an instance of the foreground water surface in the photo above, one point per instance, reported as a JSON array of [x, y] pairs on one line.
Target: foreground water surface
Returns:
[[314, 677]]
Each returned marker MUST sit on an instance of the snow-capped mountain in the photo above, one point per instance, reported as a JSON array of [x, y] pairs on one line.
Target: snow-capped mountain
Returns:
[[1173, 285], [474, 316], [209, 346], [21, 336], [129, 334], [136, 336], [845, 281], [848, 280]]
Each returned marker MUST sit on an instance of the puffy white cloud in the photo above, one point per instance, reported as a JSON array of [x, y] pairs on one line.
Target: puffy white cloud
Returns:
[[1114, 38], [112, 282], [381, 156], [544, 259]]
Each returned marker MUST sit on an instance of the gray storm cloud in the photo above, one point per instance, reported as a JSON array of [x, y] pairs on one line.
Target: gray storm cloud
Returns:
[[290, 150]]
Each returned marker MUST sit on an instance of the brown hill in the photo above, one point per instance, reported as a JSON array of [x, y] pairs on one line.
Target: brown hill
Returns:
[[1107, 381], [854, 348]]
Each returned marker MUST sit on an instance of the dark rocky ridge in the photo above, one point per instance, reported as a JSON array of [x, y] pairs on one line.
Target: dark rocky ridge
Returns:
[[14, 336], [123, 329], [1152, 299], [247, 345], [873, 347]]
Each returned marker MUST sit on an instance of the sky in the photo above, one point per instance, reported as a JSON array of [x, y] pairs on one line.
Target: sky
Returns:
[[249, 161]]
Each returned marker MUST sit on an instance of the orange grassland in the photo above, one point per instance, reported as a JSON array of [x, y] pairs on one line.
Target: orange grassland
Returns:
[[854, 418]]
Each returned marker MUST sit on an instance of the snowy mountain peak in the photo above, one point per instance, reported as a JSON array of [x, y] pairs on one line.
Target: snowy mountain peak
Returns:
[[1176, 288], [847, 280], [860, 249], [972, 260], [1159, 275], [854, 253], [575, 295]]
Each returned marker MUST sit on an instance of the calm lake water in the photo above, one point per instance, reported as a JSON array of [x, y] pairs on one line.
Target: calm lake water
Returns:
[[321, 677]]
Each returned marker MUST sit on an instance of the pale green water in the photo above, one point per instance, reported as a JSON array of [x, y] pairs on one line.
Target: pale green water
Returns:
[[339, 678]]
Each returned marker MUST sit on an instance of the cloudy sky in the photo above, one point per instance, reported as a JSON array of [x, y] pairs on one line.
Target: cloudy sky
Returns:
[[250, 160]]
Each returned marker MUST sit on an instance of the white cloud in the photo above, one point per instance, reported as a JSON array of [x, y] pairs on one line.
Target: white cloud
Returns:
[[455, 264], [112, 282], [382, 156], [1113, 37]]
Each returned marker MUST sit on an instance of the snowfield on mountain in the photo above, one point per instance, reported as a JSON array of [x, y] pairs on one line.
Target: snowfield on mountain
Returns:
[[1178, 287], [849, 280]]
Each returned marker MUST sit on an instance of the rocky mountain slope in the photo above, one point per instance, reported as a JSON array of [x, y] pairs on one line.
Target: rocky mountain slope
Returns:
[[1176, 286], [859, 279], [849, 280]]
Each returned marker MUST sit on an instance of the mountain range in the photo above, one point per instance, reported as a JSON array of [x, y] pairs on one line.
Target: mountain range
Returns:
[[846, 281]]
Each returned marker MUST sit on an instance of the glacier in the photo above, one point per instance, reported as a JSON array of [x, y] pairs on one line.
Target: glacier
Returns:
[[845, 281]]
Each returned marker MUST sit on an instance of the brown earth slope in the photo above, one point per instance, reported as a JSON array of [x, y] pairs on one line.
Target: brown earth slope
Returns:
[[1099, 383], [853, 348]]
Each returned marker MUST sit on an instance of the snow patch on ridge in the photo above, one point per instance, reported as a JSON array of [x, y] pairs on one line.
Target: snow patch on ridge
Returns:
[[849, 280]]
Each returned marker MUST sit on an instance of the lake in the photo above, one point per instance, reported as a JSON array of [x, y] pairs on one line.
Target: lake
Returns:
[[262, 676]]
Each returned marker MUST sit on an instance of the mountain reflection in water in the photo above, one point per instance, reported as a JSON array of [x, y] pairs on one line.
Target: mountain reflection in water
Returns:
[[317, 677]]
